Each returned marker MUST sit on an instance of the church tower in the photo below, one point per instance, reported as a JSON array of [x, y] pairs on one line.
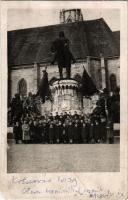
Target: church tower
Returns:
[[70, 15]]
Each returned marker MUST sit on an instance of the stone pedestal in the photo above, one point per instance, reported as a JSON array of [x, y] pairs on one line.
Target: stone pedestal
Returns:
[[66, 96]]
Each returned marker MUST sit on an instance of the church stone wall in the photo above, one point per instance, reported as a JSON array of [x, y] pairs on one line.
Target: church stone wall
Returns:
[[53, 70], [93, 67], [113, 66], [95, 72], [77, 68], [28, 74]]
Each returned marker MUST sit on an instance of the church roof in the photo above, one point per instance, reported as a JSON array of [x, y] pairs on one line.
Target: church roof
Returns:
[[117, 37], [87, 38]]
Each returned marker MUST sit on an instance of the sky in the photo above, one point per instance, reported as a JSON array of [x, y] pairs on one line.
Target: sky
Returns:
[[29, 18]]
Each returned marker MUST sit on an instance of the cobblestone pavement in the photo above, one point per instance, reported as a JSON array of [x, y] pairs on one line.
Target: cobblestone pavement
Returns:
[[37, 158]]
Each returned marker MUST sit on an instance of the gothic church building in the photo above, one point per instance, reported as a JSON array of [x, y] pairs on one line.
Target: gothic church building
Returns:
[[93, 44]]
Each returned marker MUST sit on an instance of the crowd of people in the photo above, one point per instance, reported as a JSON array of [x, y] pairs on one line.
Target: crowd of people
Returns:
[[30, 126], [21, 107], [63, 128]]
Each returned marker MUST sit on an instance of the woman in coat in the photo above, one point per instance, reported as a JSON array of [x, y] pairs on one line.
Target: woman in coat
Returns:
[[26, 132]]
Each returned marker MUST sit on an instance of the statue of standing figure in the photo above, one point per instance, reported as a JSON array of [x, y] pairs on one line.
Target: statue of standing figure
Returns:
[[63, 55]]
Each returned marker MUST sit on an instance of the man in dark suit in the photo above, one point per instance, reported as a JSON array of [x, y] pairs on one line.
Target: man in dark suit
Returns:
[[57, 117], [76, 133], [58, 132], [64, 133], [70, 132], [51, 133]]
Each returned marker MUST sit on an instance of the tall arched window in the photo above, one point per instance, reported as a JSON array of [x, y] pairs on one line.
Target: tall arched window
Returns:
[[22, 87], [113, 83]]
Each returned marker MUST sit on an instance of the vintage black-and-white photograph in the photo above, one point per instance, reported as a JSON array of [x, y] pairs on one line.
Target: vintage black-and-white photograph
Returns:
[[63, 90]]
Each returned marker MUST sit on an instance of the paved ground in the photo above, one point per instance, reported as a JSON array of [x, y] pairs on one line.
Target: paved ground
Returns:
[[37, 158]]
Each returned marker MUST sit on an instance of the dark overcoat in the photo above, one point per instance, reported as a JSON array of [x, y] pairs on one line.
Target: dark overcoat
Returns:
[[97, 132], [64, 134], [70, 132], [45, 135], [103, 131], [91, 131], [84, 133], [17, 130], [58, 132], [39, 133], [51, 133], [76, 133]]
